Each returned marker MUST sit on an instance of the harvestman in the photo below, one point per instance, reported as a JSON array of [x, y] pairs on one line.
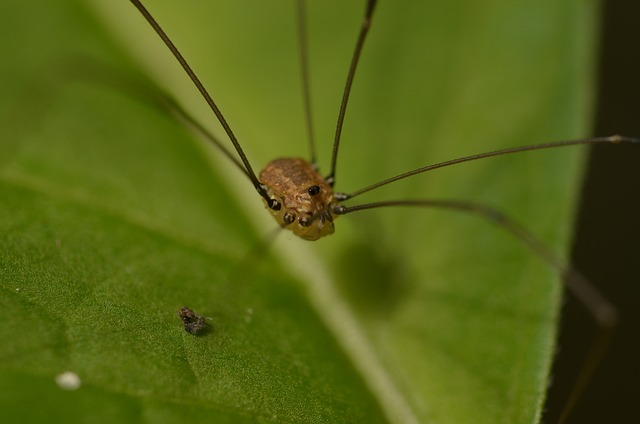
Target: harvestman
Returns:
[[303, 201]]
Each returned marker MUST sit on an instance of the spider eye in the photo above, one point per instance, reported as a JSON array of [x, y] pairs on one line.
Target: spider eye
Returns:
[[313, 190], [288, 218], [305, 221], [275, 205]]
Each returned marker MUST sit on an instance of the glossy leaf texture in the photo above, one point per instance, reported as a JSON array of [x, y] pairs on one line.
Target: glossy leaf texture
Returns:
[[113, 214]]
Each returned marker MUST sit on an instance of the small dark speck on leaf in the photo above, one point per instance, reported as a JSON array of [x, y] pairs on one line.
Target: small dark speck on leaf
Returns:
[[193, 323]]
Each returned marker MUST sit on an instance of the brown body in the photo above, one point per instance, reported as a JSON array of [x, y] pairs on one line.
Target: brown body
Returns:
[[306, 199]]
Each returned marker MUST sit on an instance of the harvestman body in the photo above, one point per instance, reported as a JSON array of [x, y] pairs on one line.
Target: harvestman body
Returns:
[[308, 203], [303, 201]]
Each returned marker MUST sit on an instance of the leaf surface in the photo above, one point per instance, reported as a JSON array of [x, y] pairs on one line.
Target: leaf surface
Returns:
[[114, 215]]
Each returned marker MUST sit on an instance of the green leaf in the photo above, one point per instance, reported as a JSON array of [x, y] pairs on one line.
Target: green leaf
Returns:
[[113, 215]]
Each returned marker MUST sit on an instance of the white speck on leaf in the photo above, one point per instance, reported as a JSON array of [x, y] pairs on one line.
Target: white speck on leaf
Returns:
[[68, 380], [249, 315]]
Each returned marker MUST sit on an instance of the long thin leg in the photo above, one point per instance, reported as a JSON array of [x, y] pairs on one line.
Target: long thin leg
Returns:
[[614, 139], [304, 67], [364, 29], [205, 94], [603, 312]]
